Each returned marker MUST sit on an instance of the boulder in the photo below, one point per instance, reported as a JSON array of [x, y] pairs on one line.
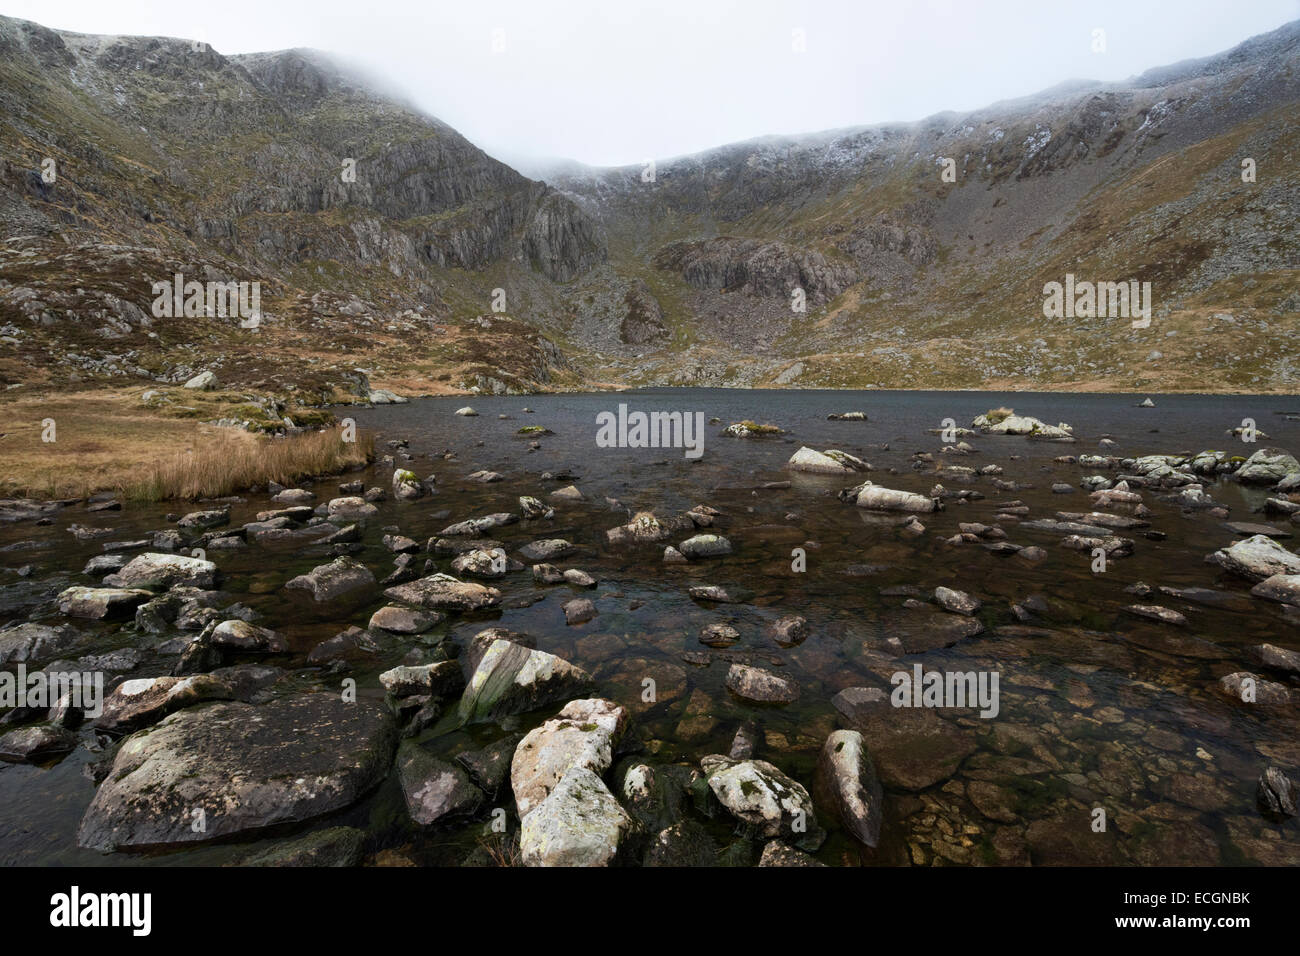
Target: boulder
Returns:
[[578, 824], [762, 797], [404, 620], [1268, 466], [100, 604], [1257, 557], [876, 498], [438, 680], [809, 460], [350, 506], [705, 546], [760, 686], [583, 734], [246, 767], [445, 593], [244, 638], [958, 602], [1279, 587]]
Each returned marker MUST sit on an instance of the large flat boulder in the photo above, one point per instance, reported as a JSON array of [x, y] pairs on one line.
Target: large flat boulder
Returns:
[[245, 767], [443, 592]]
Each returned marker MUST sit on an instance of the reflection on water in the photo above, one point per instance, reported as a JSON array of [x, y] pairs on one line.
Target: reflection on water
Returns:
[[1098, 708]]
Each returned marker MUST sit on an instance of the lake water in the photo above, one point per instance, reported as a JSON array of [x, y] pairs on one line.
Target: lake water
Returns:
[[1098, 708]]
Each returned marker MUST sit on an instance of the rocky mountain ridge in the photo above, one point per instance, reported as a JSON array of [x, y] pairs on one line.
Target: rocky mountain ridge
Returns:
[[383, 239]]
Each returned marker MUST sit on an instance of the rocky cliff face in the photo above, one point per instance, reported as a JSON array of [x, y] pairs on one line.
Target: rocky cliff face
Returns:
[[280, 168], [921, 250]]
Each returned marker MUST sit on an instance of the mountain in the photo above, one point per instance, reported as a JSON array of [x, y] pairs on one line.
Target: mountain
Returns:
[[172, 158]]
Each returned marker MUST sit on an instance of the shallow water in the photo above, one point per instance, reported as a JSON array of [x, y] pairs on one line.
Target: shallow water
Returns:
[[1098, 708]]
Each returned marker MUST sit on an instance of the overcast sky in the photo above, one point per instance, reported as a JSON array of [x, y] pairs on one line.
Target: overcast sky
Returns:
[[620, 81]]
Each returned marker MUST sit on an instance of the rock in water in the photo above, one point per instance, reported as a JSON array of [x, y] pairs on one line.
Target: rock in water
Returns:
[[158, 572], [435, 790], [876, 498], [1258, 557], [764, 798], [812, 461], [245, 766], [705, 546], [1267, 466], [1276, 794], [101, 603], [445, 593], [578, 824], [846, 781], [513, 679], [756, 684], [342, 577], [958, 602]]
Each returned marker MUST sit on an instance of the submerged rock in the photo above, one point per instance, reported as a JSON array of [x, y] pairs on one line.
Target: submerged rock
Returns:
[[760, 686], [245, 767]]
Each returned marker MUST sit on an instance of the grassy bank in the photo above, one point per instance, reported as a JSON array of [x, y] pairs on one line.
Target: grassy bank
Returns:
[[108, 441]]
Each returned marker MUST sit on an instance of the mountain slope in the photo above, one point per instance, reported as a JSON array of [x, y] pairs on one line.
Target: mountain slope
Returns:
[[172, 158]]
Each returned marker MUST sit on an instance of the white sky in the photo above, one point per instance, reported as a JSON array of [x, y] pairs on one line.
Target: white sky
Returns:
[[620, 81]]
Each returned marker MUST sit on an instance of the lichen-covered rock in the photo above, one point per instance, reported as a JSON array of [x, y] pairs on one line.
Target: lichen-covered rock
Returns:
[[1267, 466], [583, 734], [578, 824], [435, 790], [436, 680], [761, 796], [158, 572]]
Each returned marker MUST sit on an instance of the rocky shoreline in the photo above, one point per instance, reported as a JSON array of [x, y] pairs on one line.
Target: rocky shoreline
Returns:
[[724, 744]]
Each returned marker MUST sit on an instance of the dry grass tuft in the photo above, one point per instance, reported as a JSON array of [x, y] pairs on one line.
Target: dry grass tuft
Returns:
[[229, 465]]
